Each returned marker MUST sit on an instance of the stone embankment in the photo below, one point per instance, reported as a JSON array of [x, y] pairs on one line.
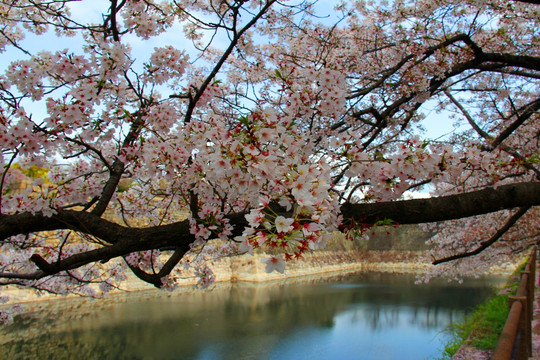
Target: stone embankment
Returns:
[[249, 268]]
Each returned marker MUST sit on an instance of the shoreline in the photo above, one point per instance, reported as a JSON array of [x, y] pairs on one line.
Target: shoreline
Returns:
[[249, 269], [63, 313]]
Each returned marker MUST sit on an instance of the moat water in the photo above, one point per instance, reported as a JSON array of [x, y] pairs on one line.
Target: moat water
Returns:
[[365, 316]]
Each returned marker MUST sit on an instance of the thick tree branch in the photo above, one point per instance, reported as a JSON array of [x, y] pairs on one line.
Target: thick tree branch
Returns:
[[177, 236], [116, 171], [112, 18], [520, 61], [446, 207]]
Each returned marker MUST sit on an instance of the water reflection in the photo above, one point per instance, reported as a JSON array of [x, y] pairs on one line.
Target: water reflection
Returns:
[[358, 316]]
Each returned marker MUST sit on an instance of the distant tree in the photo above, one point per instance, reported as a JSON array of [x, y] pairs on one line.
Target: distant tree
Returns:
[[266, 125]]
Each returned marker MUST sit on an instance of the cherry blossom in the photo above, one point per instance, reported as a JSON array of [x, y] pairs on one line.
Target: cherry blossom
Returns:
[[283, 225], [274, 263], [260, 124]]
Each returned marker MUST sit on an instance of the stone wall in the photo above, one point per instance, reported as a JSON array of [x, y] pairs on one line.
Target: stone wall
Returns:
[[250, 268]]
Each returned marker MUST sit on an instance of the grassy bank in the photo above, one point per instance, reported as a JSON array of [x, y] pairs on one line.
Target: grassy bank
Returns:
[[481, 329]]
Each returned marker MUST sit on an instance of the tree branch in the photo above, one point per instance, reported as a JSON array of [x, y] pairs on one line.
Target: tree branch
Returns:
[[115, 173], [236, 36], [527, 111], [468, 116], [485, 244], [125, 240], [177, 234], [448, 207], [155, 279]]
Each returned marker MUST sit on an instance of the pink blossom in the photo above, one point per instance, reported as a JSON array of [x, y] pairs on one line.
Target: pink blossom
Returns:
[[283, 225], [140, 135], [254, 218], [245, 245], [274, 263]]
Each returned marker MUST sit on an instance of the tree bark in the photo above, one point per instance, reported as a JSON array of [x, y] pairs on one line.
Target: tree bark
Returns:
[[123, 240], [413, 211], [446, 207]]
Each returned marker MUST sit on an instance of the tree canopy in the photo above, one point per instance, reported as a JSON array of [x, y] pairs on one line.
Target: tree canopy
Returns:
[[264, 123]]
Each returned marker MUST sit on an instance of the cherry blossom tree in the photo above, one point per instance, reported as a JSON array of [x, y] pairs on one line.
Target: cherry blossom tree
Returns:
[[264, 123]]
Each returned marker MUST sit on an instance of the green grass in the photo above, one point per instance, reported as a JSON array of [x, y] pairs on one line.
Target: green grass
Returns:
[[489, 322], [481, 329]]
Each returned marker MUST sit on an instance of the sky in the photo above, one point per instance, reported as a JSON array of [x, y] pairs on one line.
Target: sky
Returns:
[[437, 125]]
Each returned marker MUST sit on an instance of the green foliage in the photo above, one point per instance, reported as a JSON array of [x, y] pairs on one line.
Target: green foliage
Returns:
[[34, 172], [24, 176], [401, 238], [489, 322], [482, 328], [385, 222], [244, 120], [124, 185], [383, 238], [454, 343]]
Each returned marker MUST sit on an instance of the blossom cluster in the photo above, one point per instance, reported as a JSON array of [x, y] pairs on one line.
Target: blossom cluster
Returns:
[[221, 124]]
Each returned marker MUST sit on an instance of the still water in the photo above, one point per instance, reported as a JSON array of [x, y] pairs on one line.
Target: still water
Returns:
[[365, 316]]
